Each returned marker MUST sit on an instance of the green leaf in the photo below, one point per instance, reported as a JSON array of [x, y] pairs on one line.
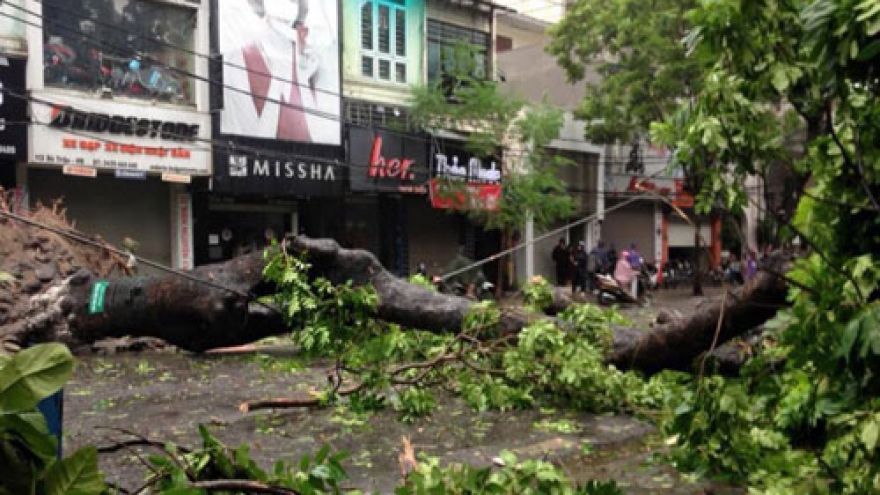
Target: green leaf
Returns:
[[870, 51], [6, 276], [29, 428], [870, 433], [75, 475], [32, 375]]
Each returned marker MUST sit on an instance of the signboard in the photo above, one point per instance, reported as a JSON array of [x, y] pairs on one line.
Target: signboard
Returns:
[[281, 70], [458, 195], [13, 110], [458, 164], [80, 171], [464, 181], [79, 131], [654, 187], [387, 162], [183, 222], [280, 169]]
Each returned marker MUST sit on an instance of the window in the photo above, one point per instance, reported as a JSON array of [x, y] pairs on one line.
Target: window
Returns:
[[383, 40], [123, 46], [442, 40]]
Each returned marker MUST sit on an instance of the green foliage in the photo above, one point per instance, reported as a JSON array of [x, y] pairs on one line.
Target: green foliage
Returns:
[[504, 129], [27, 449], [179, 471], [631, 60], [802, 418], [414, 403], [325, 316], [537, 294], [514, 477]]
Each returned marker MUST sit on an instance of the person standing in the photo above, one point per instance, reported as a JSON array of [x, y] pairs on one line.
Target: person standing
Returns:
[[751, 266], [580, 269], [561, 260]]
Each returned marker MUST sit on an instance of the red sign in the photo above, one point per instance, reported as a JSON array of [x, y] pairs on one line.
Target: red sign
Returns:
[[646, 185], [683, 199], [457, 195], [80, 171], [395, 168]]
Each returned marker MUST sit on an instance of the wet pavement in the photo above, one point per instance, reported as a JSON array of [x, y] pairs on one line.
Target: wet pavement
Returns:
[[165, 395]]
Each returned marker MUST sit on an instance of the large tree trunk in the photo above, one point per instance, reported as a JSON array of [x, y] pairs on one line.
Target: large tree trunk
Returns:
[[197, 317]]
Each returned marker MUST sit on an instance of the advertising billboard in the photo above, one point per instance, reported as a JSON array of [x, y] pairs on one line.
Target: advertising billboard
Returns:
[[280, 69], [81, 133]]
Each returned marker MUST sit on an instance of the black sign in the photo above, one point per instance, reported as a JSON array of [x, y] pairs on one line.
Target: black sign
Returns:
[[13, 110], [64, 117], [454, 162], [388, 162], [277, 169]]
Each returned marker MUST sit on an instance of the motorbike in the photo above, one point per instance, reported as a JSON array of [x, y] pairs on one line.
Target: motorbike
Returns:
[[610, 292], [483, 290]]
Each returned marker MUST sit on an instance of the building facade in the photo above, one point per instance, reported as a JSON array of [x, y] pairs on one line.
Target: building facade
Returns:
[[119, 117]]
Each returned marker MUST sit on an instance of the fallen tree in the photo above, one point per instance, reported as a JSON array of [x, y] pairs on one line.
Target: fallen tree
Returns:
[[216, 306]]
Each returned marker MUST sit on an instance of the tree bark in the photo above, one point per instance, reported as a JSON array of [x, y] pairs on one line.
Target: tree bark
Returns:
[[198, 317]]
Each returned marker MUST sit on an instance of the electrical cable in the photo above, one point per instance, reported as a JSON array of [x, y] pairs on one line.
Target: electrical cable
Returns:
[[545, 235], [71, 234], [99, 42]]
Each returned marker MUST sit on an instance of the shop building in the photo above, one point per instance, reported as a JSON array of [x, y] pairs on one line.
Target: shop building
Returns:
[[115, 131], [279, 161]]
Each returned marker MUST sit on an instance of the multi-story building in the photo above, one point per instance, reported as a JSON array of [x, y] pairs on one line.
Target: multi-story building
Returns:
[[278, 154], [399, 44], [119, 116]]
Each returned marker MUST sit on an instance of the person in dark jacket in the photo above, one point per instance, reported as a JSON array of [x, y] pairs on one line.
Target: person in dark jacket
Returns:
[[580, 259], [561, 259]]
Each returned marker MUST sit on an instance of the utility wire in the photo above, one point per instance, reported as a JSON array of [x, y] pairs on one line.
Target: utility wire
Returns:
[[551, 233], [71, 234], [183, 49], [131, 50]]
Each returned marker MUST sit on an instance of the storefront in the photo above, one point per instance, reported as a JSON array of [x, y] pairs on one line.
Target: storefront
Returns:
[[654, 222], [262, 190], [388, 183], [280, 166], [122, 169], [460, 181]]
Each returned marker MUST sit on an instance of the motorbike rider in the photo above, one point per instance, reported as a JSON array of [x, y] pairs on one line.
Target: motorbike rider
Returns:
[[469, 279], [626, 276]]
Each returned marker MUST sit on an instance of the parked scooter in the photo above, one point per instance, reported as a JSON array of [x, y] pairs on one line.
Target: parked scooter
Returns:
[[481, 291], [610, 292]]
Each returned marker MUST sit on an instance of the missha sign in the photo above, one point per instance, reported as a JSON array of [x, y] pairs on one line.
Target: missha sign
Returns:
[[388, 162], [277, 172], [72, 130]]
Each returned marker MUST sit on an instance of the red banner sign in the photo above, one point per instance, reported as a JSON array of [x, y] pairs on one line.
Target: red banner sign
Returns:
[[457, 195]]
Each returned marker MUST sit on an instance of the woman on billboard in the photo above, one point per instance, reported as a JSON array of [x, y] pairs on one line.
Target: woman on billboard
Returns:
[[280, 51]]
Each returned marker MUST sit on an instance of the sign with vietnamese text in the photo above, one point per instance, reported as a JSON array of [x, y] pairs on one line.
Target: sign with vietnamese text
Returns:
[[183, 222], [459, 195], [106, 135]]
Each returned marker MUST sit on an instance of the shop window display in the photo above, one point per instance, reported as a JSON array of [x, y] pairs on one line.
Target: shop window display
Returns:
[[120, 48]]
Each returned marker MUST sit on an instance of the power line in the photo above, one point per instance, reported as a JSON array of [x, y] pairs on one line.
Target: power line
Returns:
[[72, 234], [179, 48]]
